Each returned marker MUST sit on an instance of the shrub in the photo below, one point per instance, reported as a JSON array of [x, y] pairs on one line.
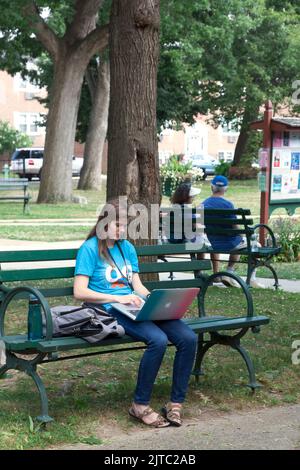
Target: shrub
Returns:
[[223, 168], [287, 234], [242, 173], [175, 172]]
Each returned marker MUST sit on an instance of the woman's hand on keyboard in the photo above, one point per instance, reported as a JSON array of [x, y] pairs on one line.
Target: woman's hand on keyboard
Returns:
[[129, 299]]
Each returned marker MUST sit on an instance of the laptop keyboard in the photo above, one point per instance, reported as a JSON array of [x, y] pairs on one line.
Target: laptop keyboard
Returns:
[[133, 312]]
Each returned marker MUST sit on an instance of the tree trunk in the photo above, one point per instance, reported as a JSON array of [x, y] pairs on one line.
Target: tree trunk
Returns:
[[90, 176], [241, 146], [245, 131], [133, 168], [56, 178]]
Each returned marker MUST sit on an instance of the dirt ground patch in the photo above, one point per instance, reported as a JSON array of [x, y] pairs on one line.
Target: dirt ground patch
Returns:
[[271, 428]]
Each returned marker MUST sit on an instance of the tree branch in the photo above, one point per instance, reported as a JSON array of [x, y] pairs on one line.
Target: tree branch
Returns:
[[84, 21], [40, 28], [95, 42]]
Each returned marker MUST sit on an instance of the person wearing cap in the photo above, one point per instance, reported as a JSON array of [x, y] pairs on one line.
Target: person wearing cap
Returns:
[[183, 196], [225, 243]]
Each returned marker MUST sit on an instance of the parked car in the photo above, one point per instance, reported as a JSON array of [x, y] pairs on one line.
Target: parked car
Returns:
[[205, 162], [28, 162]]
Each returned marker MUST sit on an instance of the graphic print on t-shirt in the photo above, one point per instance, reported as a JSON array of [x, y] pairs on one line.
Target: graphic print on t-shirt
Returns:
[[115, 278]]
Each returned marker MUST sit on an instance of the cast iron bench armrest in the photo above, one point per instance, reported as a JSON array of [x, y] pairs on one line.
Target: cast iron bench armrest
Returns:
[[239, 280], [44, 303], [255, 227]]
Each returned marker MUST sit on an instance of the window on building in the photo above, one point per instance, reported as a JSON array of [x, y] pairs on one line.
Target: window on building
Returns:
[[23, 84], [231, 139], [22, 123], [230, 127], [28, 123], [33, 123]]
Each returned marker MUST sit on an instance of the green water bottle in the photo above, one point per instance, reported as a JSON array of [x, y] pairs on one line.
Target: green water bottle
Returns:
[[35, 326]]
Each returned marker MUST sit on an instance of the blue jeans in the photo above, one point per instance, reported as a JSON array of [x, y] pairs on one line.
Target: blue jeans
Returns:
[[156, 335]]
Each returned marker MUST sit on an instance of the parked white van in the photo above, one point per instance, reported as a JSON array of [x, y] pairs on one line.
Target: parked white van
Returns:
[[27, 162]]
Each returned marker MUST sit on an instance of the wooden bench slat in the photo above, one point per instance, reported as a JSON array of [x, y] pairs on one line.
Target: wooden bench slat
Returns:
[[36, 274], [226, 211], [37, 255], [15, 198], [203, 325], [51, 292], [70, 254], [225, 231], [171, 266], [68, 272], [182, 283], [227, 221], [167, 249]]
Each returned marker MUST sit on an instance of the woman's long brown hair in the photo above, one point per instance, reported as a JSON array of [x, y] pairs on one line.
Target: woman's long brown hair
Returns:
[[102, 244]]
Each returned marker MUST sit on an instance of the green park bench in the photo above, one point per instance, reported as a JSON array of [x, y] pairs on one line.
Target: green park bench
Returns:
[[17, 347], [15, 184], [221, 222]]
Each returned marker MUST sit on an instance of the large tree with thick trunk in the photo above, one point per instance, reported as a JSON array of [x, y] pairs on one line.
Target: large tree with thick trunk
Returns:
[[132, 134], [71, 55], [70, 46]]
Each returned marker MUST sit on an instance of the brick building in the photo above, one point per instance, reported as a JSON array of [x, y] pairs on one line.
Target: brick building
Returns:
[[199, 139], [20, 107]]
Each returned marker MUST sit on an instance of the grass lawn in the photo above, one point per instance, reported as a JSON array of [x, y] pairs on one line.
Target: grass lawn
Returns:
[[13, 210], [45, 233], [290, 271], [89, 397], [242, 193]]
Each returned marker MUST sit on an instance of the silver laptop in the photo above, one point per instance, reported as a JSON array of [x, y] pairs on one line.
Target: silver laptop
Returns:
[[162, 304]]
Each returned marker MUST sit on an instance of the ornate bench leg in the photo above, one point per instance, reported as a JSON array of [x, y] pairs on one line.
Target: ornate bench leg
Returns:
[[233, 342], [44, 417], [201, 351], [276, 284], [252, 384], [250, 269], [14, 362]]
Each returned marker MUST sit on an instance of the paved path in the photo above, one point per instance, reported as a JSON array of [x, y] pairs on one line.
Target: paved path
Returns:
[[274, 428], [47, 222]]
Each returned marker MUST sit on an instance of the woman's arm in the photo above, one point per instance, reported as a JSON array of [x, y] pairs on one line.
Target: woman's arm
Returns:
[[82, 292], [138, 287]]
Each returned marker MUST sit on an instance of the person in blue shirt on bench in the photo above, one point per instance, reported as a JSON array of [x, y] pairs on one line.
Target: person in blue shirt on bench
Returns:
[[107, 271], [225, 243]]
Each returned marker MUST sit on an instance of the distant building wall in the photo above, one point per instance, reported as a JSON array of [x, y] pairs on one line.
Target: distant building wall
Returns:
[[201, 138], [19, 107]]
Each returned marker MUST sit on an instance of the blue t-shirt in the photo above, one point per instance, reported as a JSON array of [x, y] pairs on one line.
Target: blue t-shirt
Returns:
[[103, 277], [221, 242]]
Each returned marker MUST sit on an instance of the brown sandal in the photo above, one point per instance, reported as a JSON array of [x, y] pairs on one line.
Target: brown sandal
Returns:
[[172, 414], [160, 422]]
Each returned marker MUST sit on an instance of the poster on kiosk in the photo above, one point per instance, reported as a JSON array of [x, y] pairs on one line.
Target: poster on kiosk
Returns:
[[285, 167]]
